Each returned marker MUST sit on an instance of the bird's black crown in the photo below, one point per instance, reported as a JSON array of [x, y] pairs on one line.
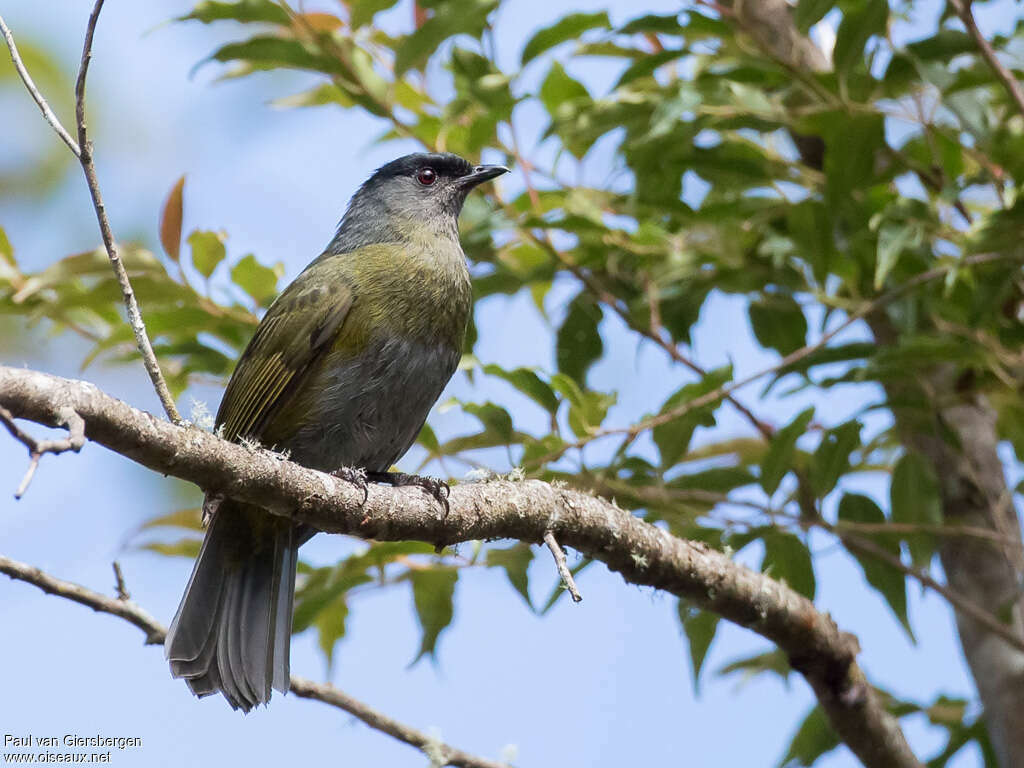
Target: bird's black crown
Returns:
[[443, 163]]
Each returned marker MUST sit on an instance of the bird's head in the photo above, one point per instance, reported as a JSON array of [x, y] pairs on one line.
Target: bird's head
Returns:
[[422, 189]]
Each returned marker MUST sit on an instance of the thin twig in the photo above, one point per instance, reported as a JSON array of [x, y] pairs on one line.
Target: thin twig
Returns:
[[563, 567], [960, 603], [119, 586], [36, 448], [131, 304], [307, 689], [83, 151], [26, 78], [963, 10], [438, 752], [794, 357], [51, 585]]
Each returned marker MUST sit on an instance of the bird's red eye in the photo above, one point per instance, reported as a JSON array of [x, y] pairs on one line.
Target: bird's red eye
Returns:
[[426, 176]]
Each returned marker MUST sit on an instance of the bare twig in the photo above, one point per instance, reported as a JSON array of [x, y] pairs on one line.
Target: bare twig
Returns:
[[36, 448], [119, 586], [51, 585], [131, 304], [563, 567], [436, 750], [963, 10], [960, 603], [306, 689], [525, 510], [83, 151], [26, 78]]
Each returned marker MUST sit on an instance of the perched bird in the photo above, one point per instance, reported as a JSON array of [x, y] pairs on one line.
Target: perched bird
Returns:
[[340, 373]]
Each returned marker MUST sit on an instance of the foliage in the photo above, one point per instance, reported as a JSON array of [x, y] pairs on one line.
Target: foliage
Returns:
[[917, 189]]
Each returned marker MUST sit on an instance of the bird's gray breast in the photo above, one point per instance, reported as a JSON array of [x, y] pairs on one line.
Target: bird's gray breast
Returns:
[[372, 406]]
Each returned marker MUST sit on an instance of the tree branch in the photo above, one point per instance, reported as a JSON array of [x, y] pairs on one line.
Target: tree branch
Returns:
[[525, 510], [131, 304], [563, 567], [439, 752], [963, 10], [36, 448], [37, 97]]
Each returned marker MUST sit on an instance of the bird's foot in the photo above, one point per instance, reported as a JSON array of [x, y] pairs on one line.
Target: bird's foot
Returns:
[[355, 476], [437, 488]]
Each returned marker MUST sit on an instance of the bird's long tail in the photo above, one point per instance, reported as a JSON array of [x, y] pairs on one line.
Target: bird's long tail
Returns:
[[233, 628]]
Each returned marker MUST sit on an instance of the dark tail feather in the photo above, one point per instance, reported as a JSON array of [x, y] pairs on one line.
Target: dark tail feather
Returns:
[[232, 630]]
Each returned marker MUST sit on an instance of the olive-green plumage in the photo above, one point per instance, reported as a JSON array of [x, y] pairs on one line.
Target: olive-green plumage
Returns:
[[341, 372]]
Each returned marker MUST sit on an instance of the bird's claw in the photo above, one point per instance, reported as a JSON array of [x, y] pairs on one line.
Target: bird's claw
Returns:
[[436, 487], [355, 476]]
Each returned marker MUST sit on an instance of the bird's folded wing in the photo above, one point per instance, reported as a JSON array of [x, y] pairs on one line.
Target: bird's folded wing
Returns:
[[296, 330]]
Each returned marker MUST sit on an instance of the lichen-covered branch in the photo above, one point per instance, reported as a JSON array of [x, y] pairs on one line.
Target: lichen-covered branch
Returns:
[[439, 752], [525, 510]]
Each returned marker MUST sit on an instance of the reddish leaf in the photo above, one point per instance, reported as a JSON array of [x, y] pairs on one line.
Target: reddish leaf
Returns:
[[170, 220]]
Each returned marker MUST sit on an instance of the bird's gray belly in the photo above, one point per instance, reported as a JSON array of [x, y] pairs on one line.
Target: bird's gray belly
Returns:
[[374, 405]]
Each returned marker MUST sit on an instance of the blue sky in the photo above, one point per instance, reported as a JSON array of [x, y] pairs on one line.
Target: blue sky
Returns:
[[604, 683]]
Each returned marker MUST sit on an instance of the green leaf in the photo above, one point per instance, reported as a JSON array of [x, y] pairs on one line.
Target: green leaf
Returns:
[[190, 519], [454, 17], [787, 558], [6, 253], [890, 582], [778, 459], [699, 626], [529, 383], [857, 27], [587, 409], [832, 457], [810, 228], [813, 739], [515, 560], [363, 11], [892, 240], [666, 24], [569, 27], [432, 592], [181, 548], [942, 46], [778, 323], [243, 10], [578, 343], [330, 626], [207, 250], [257, 280], [495, 418], [267, 52], [809, 12], [673, 437], [752, 666], [852, 142], [914, 496], [561, 94]]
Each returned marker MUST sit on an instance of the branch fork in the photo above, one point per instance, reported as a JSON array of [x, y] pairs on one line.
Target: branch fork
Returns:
[[68, 418]]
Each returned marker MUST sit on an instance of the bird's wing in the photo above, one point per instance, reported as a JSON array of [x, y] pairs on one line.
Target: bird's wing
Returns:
[[296, 330]]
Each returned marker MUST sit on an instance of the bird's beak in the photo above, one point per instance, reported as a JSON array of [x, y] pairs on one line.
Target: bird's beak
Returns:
[[480, 174]]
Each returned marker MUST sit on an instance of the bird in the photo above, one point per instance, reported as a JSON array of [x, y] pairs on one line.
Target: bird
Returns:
[[340, 375]]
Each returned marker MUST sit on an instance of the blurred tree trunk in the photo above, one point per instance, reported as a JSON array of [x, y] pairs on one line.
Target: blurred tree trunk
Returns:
[[956, 432]]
